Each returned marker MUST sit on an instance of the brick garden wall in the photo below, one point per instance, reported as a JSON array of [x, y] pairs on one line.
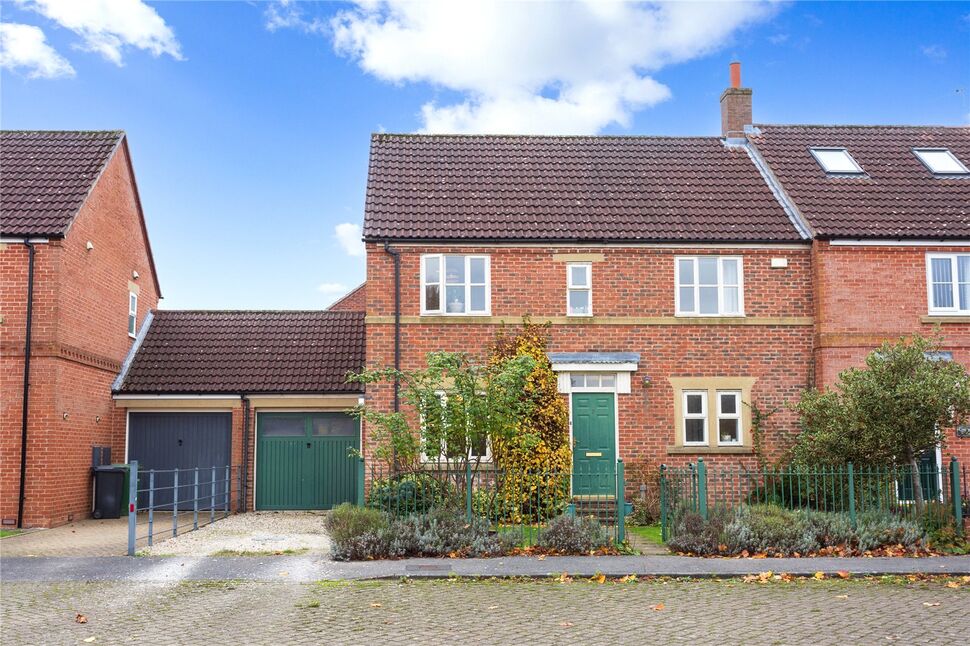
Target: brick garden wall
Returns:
[[80, 338], [629, 282]]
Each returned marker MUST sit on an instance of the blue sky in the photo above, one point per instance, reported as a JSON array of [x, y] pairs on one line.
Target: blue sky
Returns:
[[249, 123]]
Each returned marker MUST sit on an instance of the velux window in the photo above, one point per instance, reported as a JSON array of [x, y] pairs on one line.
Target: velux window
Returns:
[[940, 161], [709, 286], [455, 284], [836, 161], [579, 289], [948, 283], [132, 313]]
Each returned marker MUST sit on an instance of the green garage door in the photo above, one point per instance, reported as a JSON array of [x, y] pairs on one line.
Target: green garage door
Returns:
[[303, 460]]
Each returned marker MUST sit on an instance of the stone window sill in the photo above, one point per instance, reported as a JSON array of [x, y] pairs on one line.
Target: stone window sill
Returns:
[[709, 450], [944, 319]]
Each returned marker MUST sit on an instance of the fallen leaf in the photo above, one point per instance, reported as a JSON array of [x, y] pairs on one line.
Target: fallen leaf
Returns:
[[819, 575], [541, 557], [564, 578], [284, 574], [599, 577], [931, 604], [629, 578], [953, 584], [493, 607], [843, 574], [658, 607], [841, 596], [81, 619], [785, 576], [567, 624], [760, 555], [375, 605], [88, 640]]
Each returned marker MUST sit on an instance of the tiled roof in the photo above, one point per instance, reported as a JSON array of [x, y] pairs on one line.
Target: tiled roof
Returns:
[[635, 189], [45, 177], [201, 352], [898, 197]]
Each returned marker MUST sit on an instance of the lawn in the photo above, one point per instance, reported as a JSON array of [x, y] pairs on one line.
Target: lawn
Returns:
[[646, 532], [8, 532]]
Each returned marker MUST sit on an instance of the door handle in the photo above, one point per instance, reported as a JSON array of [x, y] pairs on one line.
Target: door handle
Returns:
[[308, 445]]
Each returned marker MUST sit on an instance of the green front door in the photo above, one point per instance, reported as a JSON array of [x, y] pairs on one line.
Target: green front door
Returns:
[[594, 444], [303, 460]]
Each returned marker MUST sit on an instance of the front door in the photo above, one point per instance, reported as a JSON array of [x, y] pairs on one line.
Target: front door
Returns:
[[594, 444], [304, 461]]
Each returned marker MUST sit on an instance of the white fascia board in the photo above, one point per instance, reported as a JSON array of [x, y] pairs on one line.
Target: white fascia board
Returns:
[[849, 242], [163, 397], [23, 240]]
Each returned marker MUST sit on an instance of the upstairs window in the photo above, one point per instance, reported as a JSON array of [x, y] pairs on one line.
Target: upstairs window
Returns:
[[940, 161], [948, 283], [836, 161], [579, 289], [455, 285], [709, 286], [132, 314]]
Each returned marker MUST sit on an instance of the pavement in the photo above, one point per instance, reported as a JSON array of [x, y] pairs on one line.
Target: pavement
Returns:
[[698, 612], [316, 568]]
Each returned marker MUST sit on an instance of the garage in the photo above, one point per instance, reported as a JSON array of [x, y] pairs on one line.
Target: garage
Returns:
[[164, 441], [305, 460]]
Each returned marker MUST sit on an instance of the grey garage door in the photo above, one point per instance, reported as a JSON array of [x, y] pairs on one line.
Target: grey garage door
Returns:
[[167, 441]]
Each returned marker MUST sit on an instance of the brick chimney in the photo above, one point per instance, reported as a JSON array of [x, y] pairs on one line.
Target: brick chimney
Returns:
[[735, 106]]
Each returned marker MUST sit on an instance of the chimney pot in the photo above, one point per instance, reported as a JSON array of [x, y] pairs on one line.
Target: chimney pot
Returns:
[[735, 106], [736, 74]]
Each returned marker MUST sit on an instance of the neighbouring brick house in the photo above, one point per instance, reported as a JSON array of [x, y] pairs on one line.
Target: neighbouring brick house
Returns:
[[684, 278], [74, 253], [890, 220], [263, 391]]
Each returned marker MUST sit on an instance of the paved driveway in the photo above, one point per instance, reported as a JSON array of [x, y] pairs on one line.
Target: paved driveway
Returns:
[[673, 612]]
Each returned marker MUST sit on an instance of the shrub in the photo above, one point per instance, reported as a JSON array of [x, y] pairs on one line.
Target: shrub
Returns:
[[574, 535], [878, 529], [412, 493], [348, 521], [695, 535]]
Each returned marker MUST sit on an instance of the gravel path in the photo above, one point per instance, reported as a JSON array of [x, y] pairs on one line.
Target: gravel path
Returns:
[[256, 533]]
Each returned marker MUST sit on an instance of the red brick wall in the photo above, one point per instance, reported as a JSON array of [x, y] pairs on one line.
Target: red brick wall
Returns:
[[630, 282], [354, 301], [869, 294], [80, 339]]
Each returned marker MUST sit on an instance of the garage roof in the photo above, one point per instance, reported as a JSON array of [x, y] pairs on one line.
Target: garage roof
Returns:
[[246, 352]]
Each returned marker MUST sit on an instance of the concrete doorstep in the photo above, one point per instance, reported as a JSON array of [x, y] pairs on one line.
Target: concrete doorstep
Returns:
[[308, 568]]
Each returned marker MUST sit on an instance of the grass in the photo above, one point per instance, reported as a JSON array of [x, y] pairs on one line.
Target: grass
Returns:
[[649, 533], [259, 552], [8, 532]]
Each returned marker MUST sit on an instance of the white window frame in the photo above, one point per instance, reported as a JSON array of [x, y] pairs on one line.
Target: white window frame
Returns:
[[858, 169], [442, 296], [679, 311], [600, 387], [954, 310], [949, 173], [570, 287], [442, 457], [686, 415], [132, 314], [735, 416]]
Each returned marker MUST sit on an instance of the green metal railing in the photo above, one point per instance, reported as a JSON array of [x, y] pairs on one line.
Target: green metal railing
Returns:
[[846, 489], [514, 502]]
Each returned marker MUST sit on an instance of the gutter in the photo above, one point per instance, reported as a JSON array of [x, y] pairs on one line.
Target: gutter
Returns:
[[26, 395], [396, 255]]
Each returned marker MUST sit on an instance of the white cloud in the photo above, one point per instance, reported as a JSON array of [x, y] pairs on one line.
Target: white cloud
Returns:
[[526, 67], [332, 289], [934, 52], [348, 235], [108, 26], [24, 47], [287, 14]]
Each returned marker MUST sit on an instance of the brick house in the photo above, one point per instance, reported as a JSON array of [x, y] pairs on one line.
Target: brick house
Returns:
[[684, 278], [77, 276]]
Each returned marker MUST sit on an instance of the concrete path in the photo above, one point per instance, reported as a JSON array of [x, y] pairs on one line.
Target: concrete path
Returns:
[[304, 569]]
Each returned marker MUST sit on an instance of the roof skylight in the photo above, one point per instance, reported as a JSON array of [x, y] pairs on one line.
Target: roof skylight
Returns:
[[836, 161], [940, 161]]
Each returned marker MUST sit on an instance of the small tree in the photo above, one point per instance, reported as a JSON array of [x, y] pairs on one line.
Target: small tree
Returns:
[[453, 409], [887, 413]]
